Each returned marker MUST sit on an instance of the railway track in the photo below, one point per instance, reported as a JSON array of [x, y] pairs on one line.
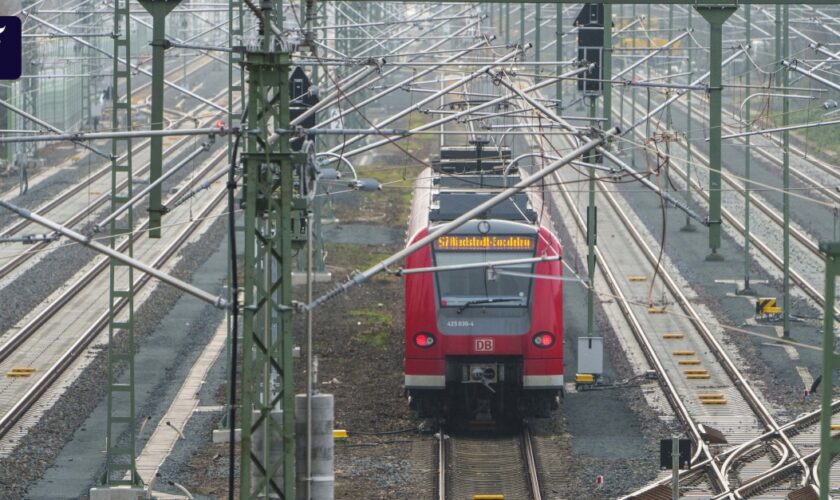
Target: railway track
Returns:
[[805, 241], [684, 352], [50, 341], [477, 466], [13, 193], [64, 208]]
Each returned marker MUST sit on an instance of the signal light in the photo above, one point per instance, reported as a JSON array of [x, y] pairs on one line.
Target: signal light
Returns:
[[544, 339], [424, 340]]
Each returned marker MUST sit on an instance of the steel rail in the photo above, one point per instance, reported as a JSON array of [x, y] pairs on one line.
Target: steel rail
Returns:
[[732, 371], [441, 482], [29, 329], [531, 463], [806, 287], [139, 89], [820, 164], [791, 428], [51, 127], [775, 160], [28, 400], [718, 350], [135, 67], [798, 235], [527, 455], [648, 350], [203, 148], [638, 331], [55, 202]]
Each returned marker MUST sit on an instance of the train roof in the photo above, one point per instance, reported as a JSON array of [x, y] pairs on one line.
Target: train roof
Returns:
[[469, 160], [448, 205]]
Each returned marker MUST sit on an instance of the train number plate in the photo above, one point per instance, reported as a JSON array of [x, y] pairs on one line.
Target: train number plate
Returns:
[[483, 345]]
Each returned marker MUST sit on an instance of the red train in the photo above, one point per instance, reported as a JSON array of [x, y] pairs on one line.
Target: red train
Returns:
[[482, 343]]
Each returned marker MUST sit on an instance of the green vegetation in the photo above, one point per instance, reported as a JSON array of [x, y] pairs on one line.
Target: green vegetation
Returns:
[[372, 327], [351, 256], [818, 139]]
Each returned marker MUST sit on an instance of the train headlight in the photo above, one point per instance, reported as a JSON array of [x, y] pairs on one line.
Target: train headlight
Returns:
[[544, 339], [424, 339]]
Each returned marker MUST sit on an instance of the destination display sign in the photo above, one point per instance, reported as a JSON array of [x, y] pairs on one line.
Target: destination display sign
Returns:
[[484, 242]]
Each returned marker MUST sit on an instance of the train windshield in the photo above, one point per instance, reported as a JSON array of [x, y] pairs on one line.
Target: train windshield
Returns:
[[502, 287]]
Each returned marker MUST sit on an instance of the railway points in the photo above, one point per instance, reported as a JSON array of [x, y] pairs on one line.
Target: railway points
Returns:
[[553, 235]]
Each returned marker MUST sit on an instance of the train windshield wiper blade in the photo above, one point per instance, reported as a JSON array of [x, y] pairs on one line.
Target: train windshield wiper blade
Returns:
[[485, 301]]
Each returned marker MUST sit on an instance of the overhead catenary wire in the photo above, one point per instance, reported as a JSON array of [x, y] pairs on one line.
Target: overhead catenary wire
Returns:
[[219, 302], [462, 219]]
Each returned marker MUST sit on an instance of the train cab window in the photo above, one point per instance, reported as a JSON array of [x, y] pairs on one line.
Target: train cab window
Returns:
[[478, 286]]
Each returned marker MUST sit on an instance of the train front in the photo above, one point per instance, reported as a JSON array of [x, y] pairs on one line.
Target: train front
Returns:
[[485, 342]]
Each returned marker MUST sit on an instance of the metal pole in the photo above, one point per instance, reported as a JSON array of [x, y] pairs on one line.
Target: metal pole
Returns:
[[158, 10], [507, 23], [786, 178], [647, 71], [94, 136], [267, 444], [715, 16], [558, 50], [773, 130], [747, 162], [688, 228], [156, 184], [675, 468], [392, 88], [457, 115], [606, 65], [309, 362], [120, 459], [122, 258], [537, 37], [46, 125], [418, 105], [501, 15], [633, 93], [124, 61], [591, 231], [831, 363]]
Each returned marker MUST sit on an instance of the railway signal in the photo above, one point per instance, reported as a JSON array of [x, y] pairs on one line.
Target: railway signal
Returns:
[[590, 24]]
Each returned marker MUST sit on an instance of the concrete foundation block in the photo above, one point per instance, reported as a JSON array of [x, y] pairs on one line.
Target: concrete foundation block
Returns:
[[223, 435], [322, 480], [119, 493], [300, 278]]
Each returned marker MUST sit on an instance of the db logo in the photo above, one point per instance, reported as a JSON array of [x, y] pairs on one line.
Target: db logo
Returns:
[[483, 345]]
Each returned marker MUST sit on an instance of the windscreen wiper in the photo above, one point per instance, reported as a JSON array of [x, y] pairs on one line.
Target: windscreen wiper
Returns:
[[483, 301]]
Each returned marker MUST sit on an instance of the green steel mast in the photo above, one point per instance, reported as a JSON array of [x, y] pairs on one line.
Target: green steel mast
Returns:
[[120, 429]]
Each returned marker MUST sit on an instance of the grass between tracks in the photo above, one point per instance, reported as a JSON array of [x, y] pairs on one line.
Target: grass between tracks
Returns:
[[817, 139]]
